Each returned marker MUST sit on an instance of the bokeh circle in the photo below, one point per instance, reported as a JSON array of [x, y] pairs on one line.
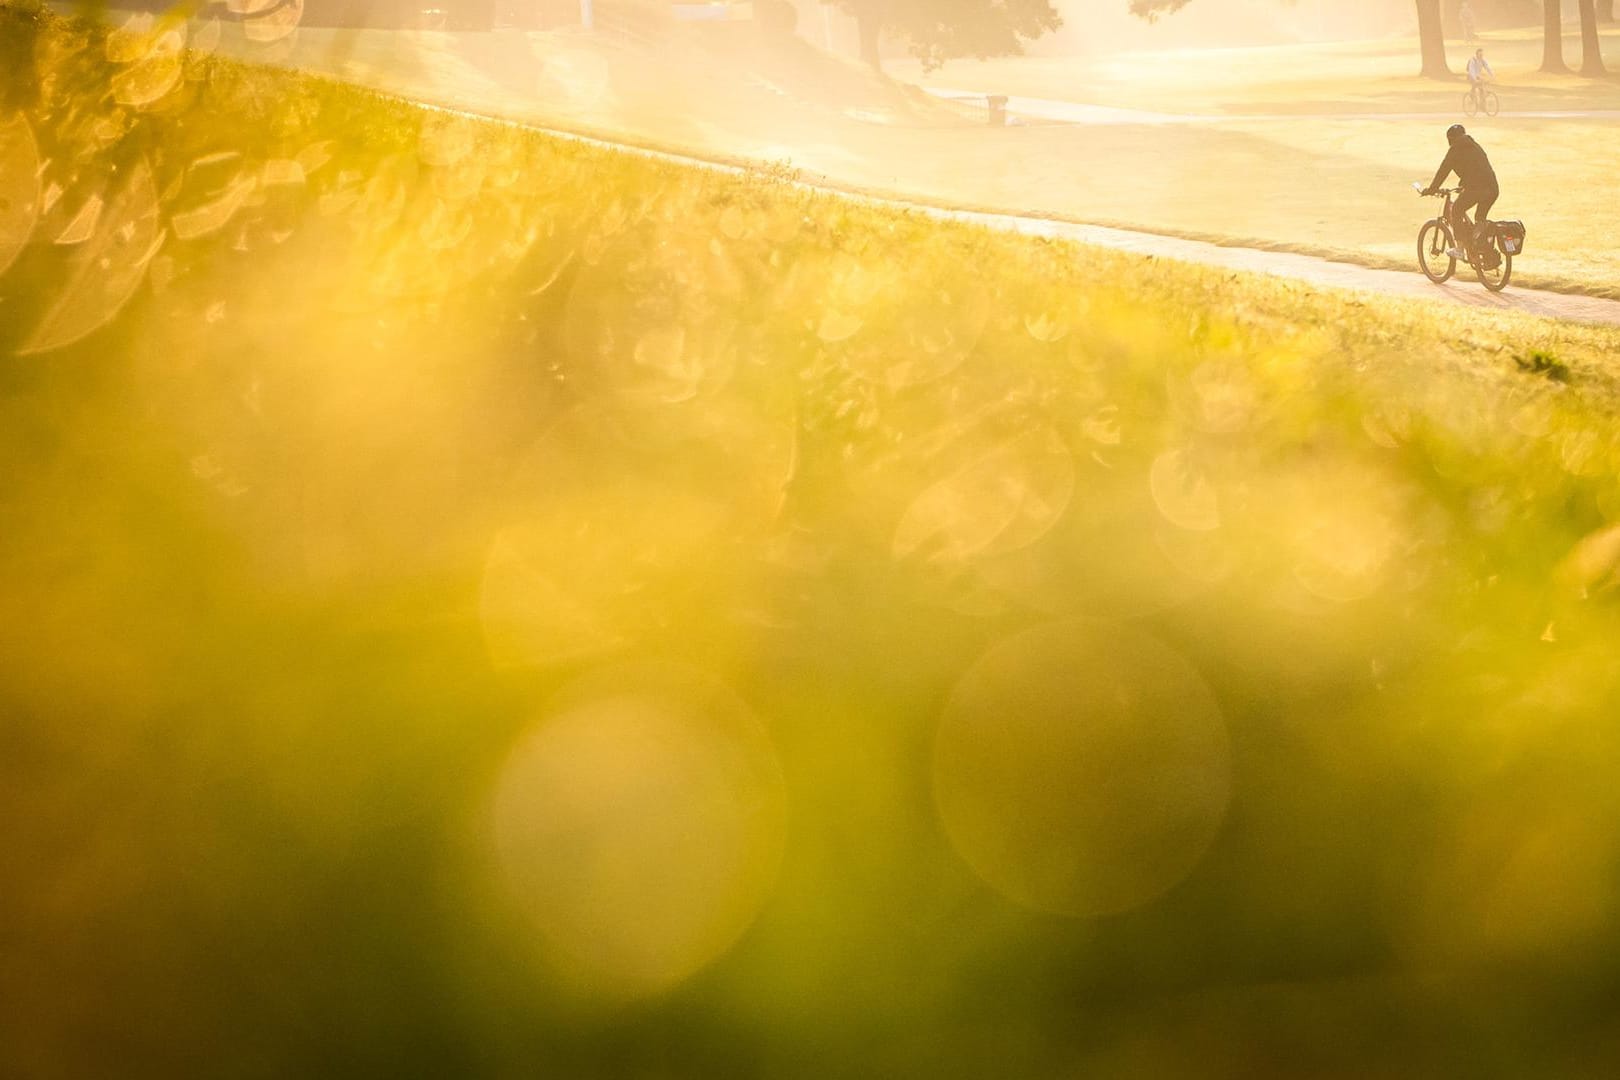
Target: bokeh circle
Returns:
[[1081, 768], [640, 826]]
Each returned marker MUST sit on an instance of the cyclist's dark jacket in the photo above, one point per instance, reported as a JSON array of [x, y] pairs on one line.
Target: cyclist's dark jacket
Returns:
[[1467, 159]]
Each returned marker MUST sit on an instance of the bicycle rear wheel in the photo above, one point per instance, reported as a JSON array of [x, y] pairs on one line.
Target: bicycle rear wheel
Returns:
[[1433, 240], [1496, 280], [1491, 103], [1470, 104]]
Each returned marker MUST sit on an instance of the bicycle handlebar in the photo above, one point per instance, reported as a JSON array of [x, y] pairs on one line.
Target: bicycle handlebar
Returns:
[[1418, 187]]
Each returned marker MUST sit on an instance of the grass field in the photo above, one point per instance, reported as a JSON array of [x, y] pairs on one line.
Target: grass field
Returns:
[[481, 604], [1316, 78], [1327, 184], [1327, 181]]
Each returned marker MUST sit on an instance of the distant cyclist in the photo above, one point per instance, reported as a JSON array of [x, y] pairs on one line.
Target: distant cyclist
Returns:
[[1479, 70], [1467, 159]]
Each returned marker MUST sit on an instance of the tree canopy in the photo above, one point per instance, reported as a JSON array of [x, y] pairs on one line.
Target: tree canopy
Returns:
[[1152, 9], [939, 30], [1431, 36]]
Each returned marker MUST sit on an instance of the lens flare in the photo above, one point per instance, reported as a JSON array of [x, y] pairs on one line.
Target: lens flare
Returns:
[[107, 267], [1005, 497], [640, 825]]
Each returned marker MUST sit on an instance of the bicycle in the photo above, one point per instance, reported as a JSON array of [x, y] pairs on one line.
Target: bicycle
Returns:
[[1500, 241], [1477, 98]]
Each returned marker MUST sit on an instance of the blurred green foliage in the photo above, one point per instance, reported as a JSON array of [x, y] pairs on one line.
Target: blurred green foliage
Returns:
[[341, 437]]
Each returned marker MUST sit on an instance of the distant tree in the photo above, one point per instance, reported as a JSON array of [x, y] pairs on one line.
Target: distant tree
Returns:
[[1591, 45], [1152, 9], [1432, 40], [1552, 36], [1431, 33], [939, 30], [1605, 10]]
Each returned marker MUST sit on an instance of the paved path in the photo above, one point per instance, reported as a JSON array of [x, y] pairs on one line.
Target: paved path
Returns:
[[1462, 289], [1078, 112]]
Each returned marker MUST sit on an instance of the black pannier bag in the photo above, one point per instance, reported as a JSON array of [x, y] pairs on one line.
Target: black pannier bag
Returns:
[[1510, 234]]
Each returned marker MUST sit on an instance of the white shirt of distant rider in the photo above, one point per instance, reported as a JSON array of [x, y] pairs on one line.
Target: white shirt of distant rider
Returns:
[[1477, 67]]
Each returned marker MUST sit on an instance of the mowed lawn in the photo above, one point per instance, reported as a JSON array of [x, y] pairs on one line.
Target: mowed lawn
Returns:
[[1308, 78], [1334, 187], [1310, 168]]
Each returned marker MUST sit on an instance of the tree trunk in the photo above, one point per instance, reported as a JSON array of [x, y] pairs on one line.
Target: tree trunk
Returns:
[[1552, 36], [1432, 39], [1591, 45], [871, 29]]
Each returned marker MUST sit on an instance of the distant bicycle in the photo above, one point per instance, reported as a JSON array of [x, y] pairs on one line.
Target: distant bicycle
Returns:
[[1492, 257], [1479, 99]]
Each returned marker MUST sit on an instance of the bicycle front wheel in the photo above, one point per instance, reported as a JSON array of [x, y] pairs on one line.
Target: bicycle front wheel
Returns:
[[1433, 240], [1491, 104]]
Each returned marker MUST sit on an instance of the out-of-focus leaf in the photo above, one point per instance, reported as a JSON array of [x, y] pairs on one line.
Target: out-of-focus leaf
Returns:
[[1593, 564], [83, 225], [212, 215], [147, 80], [107, 268], [19, 188], [171, 42], [153, 63], [1002, 500], [131, 41], [269, 20], [284, 171], [312, 157], [1102, 426], [1183, 496], [206, 39], [837, 325], [1045, 327], [218, 158]]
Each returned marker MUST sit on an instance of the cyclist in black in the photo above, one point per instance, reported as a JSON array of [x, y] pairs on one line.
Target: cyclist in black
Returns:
[[1467, 159]]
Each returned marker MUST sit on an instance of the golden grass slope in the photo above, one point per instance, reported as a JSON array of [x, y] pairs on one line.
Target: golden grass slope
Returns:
[[791, 519]]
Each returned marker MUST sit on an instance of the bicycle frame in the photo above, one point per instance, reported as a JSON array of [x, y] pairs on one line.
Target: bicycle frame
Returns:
[[1448, 200], [1448, 197]]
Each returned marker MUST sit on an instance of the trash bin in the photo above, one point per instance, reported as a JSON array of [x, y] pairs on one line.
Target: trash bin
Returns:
[[998, 109]]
